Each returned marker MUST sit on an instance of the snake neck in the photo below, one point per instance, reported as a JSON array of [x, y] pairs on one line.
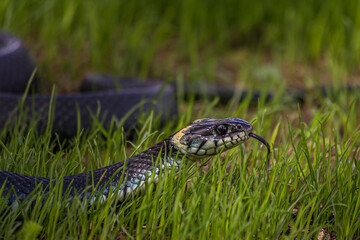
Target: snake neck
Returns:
[[141, 168], [162, 155]]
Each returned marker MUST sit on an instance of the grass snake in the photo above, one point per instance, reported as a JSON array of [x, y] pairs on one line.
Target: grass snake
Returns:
[[201, 139]]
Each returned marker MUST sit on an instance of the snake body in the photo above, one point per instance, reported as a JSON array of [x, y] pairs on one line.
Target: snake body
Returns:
[[203, 138]]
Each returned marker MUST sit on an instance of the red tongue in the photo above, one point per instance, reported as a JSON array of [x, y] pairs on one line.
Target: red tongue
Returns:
[[263, 141]]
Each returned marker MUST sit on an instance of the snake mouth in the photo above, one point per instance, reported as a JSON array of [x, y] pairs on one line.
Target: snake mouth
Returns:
[[263, 141]]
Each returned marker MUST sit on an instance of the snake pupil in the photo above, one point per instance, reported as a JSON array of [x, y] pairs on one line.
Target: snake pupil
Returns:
[[221, 129]]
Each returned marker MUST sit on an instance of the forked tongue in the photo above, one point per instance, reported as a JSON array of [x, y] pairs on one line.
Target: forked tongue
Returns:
[[263, 141]]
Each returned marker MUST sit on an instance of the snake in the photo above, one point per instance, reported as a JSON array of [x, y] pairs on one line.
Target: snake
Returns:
[[200, 140]]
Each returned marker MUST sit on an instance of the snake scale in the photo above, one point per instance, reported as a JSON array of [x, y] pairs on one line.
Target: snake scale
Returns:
[[202, 138]]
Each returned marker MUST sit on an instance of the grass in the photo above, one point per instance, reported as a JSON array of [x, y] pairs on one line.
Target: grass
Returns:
[[313, 183], [314, 171]]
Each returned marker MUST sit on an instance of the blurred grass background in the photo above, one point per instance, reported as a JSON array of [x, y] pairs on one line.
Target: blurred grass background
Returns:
[[291, 43]]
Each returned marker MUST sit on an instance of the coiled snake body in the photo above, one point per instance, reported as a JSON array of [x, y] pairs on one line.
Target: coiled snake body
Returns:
[[201, 139]]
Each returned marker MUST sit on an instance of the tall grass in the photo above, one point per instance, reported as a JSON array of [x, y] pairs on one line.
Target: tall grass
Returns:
[[312, 183]]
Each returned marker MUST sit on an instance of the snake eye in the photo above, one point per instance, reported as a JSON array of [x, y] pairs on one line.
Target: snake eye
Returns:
[[221, 129]]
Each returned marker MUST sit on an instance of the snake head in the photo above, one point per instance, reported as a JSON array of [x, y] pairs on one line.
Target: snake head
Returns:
[[209, 136]]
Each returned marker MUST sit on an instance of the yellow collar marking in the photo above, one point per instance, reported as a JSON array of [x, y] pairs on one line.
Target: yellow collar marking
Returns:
[[176, 138]]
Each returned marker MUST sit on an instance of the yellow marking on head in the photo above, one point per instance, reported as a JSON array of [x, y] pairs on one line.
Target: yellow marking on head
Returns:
[[176, 138]]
